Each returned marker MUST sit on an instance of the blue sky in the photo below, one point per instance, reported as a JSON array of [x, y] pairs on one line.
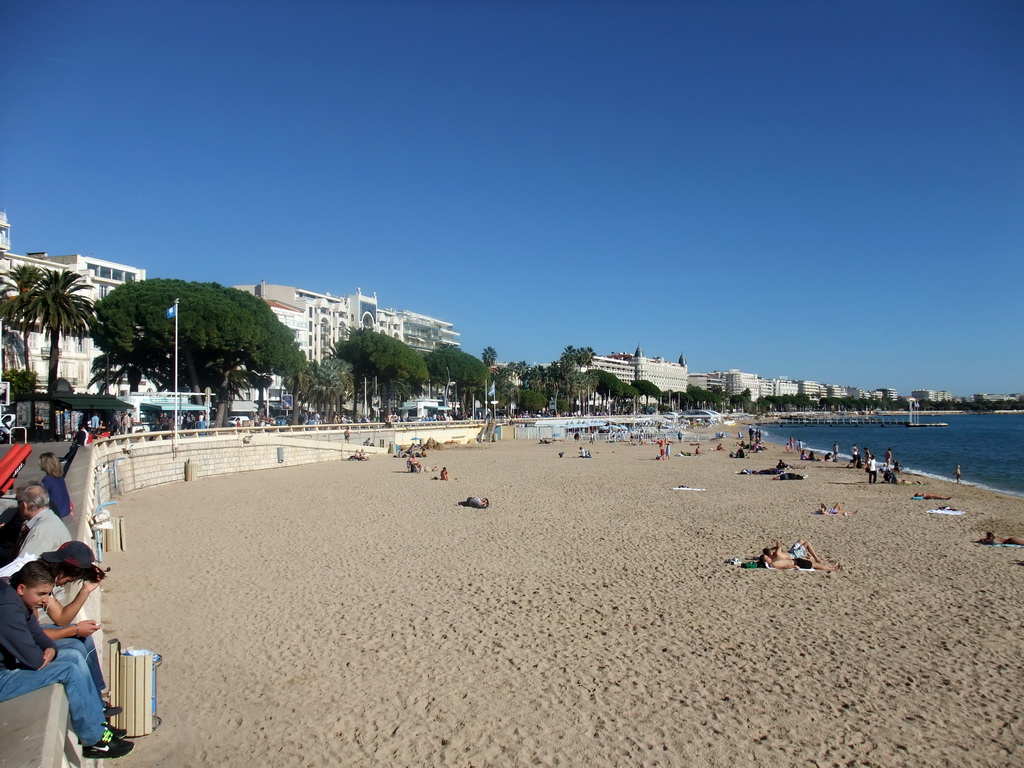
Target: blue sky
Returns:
[[827, 191]]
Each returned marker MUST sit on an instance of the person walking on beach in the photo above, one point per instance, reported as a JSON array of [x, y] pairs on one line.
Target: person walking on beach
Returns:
[[854, 458], [958, 475], [872, 470]]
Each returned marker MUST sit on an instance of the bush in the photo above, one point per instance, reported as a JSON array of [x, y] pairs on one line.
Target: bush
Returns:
[[22, 382]]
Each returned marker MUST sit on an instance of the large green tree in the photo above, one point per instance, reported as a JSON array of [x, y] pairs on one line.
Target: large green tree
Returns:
[[60, 310], [398, 368], [227, 338], [451, 364]]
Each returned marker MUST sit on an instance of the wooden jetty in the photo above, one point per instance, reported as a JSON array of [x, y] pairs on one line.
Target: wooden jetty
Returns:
[[855, 421]]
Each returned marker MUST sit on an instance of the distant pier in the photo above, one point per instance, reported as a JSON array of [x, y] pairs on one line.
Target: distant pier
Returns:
[[854, 421]]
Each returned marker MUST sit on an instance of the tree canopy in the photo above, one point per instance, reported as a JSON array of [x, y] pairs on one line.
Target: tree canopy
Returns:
[[396, 365], [452, 364], [226, 336]]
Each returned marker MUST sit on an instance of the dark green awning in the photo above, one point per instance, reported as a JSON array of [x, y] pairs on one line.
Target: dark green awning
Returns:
[[170, 407], [93, 402]]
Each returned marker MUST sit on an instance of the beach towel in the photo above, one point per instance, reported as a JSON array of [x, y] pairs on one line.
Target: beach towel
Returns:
[[687, 488], [984, 545], [947, 511]]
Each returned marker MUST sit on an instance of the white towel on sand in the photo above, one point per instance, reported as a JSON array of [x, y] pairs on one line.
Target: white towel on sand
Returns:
[[687, 488], [947, 511]]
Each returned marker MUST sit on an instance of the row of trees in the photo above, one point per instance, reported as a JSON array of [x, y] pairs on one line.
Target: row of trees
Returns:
[[574, 389], [45, 299], [230, 341]]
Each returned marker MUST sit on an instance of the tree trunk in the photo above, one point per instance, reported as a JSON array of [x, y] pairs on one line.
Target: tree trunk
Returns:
[[190, 366], [51, 379]]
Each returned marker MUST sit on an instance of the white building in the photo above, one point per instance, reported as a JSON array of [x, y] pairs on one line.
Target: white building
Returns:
[[778, 387], [736, 382], [663, 374], [327, 319], [812, 389], [77, 352], [935, 396]]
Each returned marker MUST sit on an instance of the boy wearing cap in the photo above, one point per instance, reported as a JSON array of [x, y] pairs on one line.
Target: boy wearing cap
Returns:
[[73, 561], [29, 660]]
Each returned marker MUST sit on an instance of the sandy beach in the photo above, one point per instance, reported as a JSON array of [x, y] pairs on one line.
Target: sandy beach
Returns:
[[351, 614]]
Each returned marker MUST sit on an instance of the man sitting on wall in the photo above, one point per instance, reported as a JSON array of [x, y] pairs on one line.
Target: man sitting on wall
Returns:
[[41, 529], [29, 661]]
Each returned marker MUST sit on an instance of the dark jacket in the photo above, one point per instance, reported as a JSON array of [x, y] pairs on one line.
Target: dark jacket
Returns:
[[22, 642]]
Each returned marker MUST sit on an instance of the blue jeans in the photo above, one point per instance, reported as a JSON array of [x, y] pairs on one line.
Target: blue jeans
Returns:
[[86, 648], [72, 672]]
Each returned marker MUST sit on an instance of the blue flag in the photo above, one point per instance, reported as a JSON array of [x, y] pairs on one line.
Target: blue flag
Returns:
[[172, 311], [490, 392]]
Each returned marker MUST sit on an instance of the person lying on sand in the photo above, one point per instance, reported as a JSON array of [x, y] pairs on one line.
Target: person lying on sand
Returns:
[[475, 502], [800, 555], [788, 476], [919, 496], [835, 509], [991, 538]]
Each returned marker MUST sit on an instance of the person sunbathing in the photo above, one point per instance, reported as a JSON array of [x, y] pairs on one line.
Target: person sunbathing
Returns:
[[788, 476], [835, 509], [992, 539], [801, 555], [919, 496], [476, 502]]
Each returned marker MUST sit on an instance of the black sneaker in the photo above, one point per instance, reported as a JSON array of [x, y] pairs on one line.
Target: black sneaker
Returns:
[[109, 712], [119, 733], [107, 747]]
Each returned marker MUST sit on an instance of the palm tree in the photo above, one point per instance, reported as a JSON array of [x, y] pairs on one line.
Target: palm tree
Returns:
[[489, 356], [299, 383], [15, 308], [60, 311], [585, 357], [331, 382], [116, 367], [579, 386]]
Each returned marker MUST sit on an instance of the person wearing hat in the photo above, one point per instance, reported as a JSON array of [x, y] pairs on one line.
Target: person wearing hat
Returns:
[[74, 561], [29, 660]]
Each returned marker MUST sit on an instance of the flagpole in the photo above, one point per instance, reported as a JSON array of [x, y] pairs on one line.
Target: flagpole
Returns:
[[177, 397]]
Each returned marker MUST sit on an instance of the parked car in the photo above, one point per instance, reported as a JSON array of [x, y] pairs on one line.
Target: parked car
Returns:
[[239, 421]]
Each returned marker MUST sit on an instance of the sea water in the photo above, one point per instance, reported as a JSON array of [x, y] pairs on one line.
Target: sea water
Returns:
[[988, 447]]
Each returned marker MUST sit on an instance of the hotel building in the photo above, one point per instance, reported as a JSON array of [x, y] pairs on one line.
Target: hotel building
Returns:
[[320, 320], [77, 353]]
